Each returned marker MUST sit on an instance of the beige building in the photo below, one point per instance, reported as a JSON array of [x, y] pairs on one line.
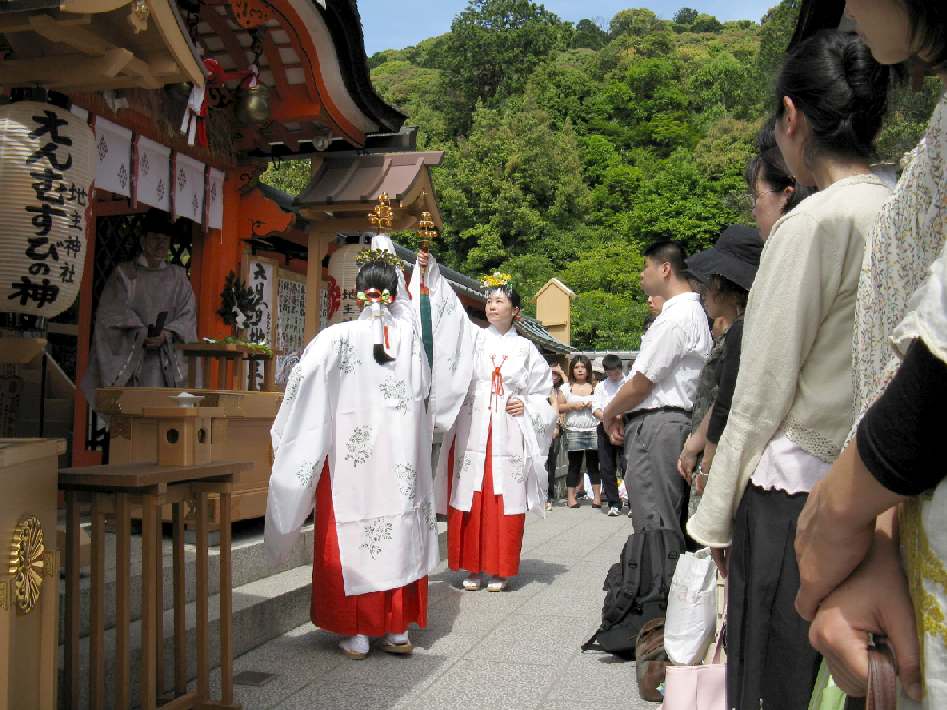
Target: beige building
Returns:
[[554, 309]]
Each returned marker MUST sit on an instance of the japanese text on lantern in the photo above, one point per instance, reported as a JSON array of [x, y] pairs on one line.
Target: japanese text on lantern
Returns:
[[56, 198]]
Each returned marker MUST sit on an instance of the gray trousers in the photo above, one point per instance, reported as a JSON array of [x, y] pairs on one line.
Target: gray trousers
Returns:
[[656, 491]]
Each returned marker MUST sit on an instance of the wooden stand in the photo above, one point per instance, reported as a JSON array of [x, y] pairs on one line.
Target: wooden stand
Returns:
[[241, 432], [112, 490], [29, 636], [227, 356]]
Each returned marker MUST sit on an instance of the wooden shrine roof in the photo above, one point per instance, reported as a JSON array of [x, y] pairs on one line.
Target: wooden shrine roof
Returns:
[[311, 56], [96, 45], [345, 183]]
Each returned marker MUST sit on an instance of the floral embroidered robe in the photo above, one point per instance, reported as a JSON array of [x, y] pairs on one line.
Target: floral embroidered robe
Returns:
[[370, 422], [465, 359]]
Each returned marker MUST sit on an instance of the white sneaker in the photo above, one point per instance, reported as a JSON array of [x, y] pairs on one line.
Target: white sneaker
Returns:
[[473, 583], [497, 584], [355, 647], [613, 512]]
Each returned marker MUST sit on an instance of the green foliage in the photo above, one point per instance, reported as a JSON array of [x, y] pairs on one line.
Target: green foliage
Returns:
[[686, 16], [775, 32], [290, 176], [636, 23], [588, 35], [492, 48]]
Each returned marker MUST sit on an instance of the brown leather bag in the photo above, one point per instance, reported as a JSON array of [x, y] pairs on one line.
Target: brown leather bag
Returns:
[[651, 660], [882, 679]]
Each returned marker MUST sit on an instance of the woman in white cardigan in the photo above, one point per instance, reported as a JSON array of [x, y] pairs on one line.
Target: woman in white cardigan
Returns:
[[792, 403]]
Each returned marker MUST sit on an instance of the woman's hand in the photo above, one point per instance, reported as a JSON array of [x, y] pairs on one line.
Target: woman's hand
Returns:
[[874, 599], [423, 259], [827, 550], [514, 407], [837, 526], [700, 481], [687, 462]]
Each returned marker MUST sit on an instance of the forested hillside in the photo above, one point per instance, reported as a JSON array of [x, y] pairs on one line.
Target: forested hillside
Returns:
[[568, 147]]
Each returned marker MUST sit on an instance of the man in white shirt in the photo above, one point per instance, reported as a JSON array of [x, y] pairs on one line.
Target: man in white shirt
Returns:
[[658, 394], [609, 455]]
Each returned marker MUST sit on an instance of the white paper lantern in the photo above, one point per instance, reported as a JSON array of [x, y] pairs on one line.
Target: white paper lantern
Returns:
[[47, 166], [343, 269]]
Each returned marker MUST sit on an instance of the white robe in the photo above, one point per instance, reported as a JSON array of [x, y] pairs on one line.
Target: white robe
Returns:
[[466, 364], [371, 422]]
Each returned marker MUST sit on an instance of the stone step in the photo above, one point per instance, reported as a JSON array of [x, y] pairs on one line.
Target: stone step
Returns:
[[250, 563], [263, 609]]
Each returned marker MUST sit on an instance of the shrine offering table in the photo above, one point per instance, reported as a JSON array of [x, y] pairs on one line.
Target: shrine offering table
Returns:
[[227, 356], [29, 593], [112, 490], [242, 432]]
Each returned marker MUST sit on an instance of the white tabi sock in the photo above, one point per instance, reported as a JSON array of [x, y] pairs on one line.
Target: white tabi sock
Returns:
[[397, 639], [355, 644]]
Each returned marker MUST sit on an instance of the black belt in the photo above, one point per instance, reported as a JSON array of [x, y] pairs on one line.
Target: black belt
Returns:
[[641, 412]]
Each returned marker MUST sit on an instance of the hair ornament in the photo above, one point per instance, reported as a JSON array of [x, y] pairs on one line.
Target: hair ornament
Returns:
[[373, 295], [496, 280], [383, 256]]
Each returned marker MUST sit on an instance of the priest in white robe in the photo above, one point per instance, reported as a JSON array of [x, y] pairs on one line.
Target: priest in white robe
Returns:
[[492, 465], [353, 437], [146, 308]]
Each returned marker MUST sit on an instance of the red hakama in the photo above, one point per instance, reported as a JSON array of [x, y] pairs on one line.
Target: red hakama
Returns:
[[484, 539], [371, 614]]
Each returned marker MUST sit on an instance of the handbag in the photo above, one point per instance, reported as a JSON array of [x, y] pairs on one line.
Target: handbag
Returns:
[[651, 660], [882, 679], [692, 608], [697, 687]]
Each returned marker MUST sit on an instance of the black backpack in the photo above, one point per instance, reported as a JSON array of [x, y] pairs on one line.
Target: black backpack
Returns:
[[636, 589]]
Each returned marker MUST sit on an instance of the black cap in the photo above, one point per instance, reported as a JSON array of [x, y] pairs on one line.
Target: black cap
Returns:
[[735, 256]]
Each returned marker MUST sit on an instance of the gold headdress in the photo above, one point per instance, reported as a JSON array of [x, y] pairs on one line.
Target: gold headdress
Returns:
[[495, 280], [377, 255]]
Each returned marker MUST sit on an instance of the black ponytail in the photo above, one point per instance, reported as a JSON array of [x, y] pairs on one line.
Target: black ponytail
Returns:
[[384, 277], [839, 87]]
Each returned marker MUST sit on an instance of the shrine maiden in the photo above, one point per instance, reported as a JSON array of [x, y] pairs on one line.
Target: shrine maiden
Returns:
[[146, 308], [353, 435], [492, 466]]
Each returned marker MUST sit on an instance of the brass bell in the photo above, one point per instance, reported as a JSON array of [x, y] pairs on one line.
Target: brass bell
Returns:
[[255, 104]]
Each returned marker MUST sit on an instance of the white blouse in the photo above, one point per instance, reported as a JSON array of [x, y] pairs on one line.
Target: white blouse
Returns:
[[580, 419]]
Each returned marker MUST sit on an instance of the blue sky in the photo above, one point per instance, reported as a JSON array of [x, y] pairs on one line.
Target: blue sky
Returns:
[[395, 24]]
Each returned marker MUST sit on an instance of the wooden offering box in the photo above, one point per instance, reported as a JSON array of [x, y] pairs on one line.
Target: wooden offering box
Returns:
[[29, 577], [239, 429]]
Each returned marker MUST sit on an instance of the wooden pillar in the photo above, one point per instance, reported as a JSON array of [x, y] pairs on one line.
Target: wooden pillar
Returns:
[[219, 254], [318, 248]]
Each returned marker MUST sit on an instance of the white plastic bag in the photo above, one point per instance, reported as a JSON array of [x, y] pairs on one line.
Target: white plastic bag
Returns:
[[692, 608]]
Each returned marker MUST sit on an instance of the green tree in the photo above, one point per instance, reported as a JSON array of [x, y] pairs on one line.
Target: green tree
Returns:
[[686, 16], [637, 23], [776, 30], [588, 35], [706, 23], [492, 48]]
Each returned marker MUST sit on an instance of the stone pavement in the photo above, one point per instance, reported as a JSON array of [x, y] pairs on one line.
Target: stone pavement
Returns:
[[517, 649]]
